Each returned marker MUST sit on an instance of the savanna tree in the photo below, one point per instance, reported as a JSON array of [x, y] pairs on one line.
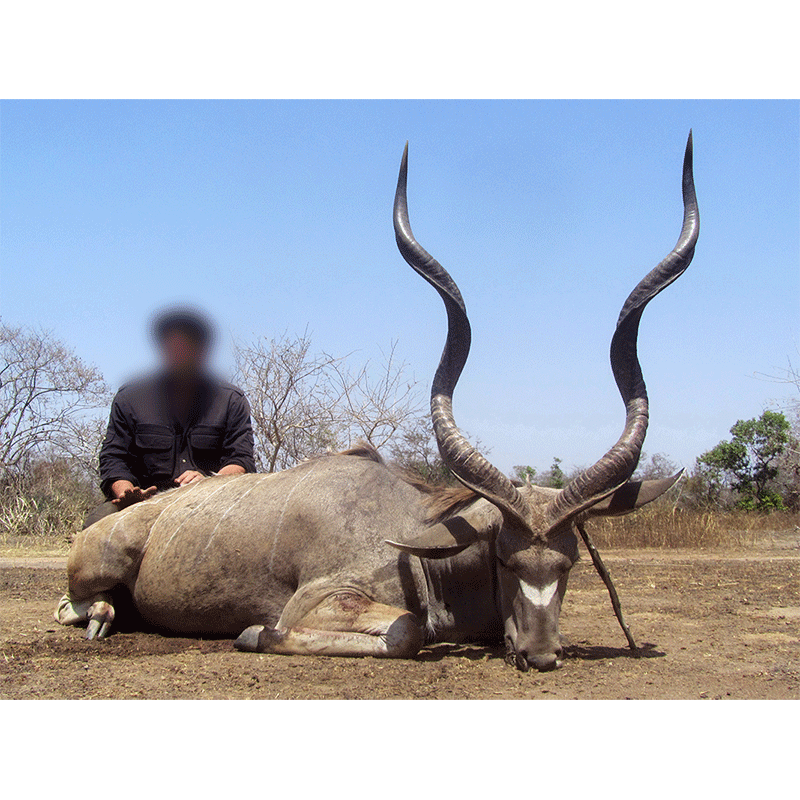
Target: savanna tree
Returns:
[[656, 467], [554, 478], [749, 462], [788, 479]]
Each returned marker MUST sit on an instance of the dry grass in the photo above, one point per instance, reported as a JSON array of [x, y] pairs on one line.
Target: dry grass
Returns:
[[43, 548], [42, 523], [42, 508], [664, 526]]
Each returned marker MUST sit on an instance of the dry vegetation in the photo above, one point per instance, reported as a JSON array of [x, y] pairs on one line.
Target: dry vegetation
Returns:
[[52, 414], [43, 509], [662, 525]]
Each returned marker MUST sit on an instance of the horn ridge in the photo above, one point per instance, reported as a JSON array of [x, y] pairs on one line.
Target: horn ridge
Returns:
[[466, 463]]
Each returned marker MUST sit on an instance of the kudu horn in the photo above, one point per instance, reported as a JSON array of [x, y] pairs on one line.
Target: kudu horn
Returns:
[[465, 462], [615, 468]]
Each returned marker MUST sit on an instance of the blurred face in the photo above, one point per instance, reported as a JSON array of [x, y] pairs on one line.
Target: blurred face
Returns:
[[182, 355]]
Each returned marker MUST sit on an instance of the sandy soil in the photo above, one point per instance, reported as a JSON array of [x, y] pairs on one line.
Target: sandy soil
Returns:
[[715, 625]]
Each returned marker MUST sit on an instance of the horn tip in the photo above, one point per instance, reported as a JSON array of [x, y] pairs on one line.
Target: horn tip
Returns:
[[404, 162], [688, 157]]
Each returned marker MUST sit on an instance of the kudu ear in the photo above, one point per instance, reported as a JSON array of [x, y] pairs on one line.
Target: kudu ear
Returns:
[[443, 540], [632, 495]]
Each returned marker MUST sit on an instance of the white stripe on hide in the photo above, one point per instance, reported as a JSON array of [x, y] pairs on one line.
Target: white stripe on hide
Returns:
[[120, 517], [175, 495], [278, 527], [191, 512], [229, 509]]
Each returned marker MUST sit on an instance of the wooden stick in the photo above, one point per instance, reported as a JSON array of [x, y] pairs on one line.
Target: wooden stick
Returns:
[[604, 574]]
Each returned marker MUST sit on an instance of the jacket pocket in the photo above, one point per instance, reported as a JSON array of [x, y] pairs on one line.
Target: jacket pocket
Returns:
[[155, 444], [153, 438], [206, 437], [205, 442]]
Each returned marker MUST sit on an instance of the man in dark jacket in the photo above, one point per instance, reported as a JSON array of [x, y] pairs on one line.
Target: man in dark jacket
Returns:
[[176, 426]]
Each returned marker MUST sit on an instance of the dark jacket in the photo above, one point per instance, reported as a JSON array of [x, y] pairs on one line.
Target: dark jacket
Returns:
[[147, 445]]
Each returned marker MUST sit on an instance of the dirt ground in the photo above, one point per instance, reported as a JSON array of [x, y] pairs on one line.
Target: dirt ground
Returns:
[[712, 625]]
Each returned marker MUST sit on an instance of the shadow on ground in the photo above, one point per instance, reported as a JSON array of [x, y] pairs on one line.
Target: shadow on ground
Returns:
[[469, 652], [585, 652]]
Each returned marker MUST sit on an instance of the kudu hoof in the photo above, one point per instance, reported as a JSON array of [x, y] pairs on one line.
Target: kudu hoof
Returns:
[[101, 615], [258, 639]]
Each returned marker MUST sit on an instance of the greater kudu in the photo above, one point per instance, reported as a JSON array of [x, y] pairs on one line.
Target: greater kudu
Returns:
[[297, 562]]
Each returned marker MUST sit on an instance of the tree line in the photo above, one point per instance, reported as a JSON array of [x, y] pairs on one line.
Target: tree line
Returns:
[[757, 469], [54, 408]]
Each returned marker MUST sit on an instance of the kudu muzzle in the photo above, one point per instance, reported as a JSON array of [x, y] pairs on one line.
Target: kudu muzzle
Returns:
[[532, 636]]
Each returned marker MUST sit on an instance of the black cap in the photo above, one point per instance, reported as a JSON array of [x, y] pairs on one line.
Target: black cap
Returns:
[[187, 321]]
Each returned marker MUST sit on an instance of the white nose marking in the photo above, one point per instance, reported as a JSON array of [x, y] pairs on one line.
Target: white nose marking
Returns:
[[539, 597]]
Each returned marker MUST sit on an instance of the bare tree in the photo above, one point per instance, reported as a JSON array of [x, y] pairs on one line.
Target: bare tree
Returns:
[[375, 409], [788, 376], [49, 400], [304, 403], [414, 449], [81, 441], [659, 466]]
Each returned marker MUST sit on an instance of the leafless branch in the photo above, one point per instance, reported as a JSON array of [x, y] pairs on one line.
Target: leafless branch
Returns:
[[49, 400], [304, 403]]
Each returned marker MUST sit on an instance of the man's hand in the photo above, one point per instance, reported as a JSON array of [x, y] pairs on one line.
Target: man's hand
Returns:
[[127, 494], [190, 476]]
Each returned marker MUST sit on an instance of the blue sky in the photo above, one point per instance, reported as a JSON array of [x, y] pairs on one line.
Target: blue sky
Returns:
[[276, 216]]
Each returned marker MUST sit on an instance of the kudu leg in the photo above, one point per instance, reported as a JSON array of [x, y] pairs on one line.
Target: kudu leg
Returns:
[[88, 602], [343, 624], [103, 557]]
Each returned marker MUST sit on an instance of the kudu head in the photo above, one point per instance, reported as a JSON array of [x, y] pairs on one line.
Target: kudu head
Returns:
[[534, 544]]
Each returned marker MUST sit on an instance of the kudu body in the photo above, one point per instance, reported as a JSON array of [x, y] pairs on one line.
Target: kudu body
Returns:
[[299, 562]]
